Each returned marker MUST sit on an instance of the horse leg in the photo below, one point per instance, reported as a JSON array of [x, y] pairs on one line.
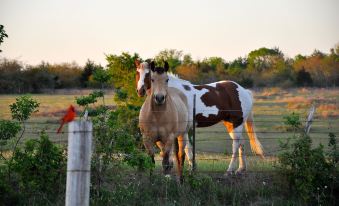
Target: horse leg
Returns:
[[166, 157], [236, 136], [188, 151], [180, 156], [149, 147], [242, 158], [161, 147]]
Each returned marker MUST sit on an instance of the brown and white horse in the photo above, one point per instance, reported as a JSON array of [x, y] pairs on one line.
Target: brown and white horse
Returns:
[[164, 118], [223, 101]]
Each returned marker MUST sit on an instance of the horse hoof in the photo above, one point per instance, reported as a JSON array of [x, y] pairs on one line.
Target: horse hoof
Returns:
[[240, 172], [229, 173]]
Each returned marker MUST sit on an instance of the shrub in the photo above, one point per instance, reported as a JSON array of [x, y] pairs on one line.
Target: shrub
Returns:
[[39, 170], [310, 174], [292, 121]]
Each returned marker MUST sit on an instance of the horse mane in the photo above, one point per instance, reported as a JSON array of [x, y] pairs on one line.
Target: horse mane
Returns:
[[176, 77]]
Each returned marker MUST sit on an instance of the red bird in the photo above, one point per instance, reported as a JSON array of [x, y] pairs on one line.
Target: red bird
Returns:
[[69, 116]]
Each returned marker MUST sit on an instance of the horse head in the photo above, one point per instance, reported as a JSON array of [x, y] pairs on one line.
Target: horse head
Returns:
[[142, 78], [159, 79]]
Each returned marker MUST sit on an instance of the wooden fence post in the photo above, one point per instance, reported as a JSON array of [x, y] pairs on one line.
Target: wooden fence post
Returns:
[[194, 163], [79, 163], [309, 119]]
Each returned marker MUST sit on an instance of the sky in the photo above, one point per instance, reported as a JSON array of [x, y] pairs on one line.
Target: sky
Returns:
[[57, 31]]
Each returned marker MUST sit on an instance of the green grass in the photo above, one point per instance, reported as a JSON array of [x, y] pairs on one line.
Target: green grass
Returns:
[[271, 104]]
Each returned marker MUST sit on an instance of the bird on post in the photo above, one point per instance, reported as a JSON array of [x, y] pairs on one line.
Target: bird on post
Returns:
[[69, 116]]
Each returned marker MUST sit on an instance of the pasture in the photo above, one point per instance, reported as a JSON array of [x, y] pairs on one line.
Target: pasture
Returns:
[[271, 105], [261, 185]]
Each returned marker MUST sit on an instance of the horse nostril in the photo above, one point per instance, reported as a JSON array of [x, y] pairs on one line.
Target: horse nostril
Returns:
[[160, 98]]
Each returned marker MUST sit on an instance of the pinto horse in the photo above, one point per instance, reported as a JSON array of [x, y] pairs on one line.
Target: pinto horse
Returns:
[[223, 101], [164, 118]]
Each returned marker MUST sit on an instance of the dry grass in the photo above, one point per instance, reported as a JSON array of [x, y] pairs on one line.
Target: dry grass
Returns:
[[51, 106], [328, 110]]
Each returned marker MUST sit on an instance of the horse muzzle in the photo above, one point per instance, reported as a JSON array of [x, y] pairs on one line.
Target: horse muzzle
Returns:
[[159, 99], [141, 92]]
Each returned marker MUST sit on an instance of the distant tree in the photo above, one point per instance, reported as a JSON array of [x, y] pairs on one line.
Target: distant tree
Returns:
[[214, 62], [299, 57], [187, 59], [317, 53], [172, 56], [261, 59], [11, 80], [37, 78], [304, 78], [2, 34], [188, 72], [101, 76], [66, 75], [87, 73], [239, 63]]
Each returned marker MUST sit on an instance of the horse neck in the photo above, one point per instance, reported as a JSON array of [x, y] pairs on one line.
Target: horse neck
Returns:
[[177, 82]]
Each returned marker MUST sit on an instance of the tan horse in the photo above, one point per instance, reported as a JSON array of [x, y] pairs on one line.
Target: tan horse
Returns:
[[164, 118]]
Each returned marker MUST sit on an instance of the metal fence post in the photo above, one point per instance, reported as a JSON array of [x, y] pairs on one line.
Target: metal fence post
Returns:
[[194, 163], [78, 163]]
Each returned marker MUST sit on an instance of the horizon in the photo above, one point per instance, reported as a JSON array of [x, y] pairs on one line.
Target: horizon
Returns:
[[66, 32]]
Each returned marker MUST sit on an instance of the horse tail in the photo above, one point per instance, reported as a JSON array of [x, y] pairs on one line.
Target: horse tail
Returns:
[[254, 141]]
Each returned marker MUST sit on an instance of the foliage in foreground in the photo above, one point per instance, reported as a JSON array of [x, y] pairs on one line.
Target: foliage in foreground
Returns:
[[311, 172], [38, 172], [198, 189], [34, 174]]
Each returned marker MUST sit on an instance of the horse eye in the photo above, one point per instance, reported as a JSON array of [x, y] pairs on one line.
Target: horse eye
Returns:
[[167, 80], [152, 80]]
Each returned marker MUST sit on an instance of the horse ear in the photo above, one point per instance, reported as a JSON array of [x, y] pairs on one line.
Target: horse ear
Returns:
[[152, 66], [137, 63], [166, 66]]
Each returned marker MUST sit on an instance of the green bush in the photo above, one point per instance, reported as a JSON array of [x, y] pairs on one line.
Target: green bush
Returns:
[[23, 108], [311, 176], [8, 129], [35, 175], [40, 169], [292, 121]]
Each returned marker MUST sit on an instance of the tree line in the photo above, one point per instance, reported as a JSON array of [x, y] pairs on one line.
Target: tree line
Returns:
[[260, 68]]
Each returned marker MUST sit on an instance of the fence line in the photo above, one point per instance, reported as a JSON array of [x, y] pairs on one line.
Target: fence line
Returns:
[[201, 132]]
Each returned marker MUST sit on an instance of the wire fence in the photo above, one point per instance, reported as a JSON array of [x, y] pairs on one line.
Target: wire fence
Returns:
[[213, 143]]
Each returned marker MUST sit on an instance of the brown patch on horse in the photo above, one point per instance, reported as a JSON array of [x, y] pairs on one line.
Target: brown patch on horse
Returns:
[[225, 97], [147, 81]]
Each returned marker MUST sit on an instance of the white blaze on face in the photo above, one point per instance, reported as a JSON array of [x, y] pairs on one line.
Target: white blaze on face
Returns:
[[143, 70]]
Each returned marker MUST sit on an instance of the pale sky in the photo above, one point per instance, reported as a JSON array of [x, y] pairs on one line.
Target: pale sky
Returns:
[[72, 30]]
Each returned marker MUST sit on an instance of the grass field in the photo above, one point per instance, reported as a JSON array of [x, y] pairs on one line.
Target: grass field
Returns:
[[270, 106]]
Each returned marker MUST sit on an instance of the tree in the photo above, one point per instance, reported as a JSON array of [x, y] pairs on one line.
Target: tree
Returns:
[[87, 73], [304, 78], [261, 59], [239, 63], [122, 71], [187, 59], [3, 34], [215, 62], [188, 72], [172, 56], [101, 76]]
